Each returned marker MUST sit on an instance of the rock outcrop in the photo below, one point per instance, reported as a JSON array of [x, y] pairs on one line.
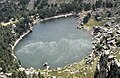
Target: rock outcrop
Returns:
[[102, 67], [106, 69], [106, 41]]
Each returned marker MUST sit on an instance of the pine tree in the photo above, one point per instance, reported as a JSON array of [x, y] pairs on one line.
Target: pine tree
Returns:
[[40, 75]]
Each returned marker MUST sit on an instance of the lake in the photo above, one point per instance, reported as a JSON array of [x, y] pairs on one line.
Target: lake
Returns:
[[57, 42]]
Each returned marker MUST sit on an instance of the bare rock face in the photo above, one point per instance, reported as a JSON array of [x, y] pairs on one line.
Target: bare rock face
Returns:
[[108, 66], [102, 67], [106, 69], [114, 71]]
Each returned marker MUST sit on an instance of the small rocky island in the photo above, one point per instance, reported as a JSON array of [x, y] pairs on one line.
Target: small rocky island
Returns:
[[102, 17]]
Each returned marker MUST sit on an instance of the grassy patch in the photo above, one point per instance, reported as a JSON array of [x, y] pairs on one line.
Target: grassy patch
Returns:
[[118, 56], [116, 52], [92, 23], [118, 20]]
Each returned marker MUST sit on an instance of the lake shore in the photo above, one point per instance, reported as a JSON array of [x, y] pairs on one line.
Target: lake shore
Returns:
[[20, 38], [58, 16], [39, 20], [54, 17]]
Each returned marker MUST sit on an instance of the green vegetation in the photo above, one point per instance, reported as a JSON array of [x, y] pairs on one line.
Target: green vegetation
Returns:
[[85, 19], [92, 22], [54, 9], [17, 9], [7, 39], [6, 59], [13, 9]]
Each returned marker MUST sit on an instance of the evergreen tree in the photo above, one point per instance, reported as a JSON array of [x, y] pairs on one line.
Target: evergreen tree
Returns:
[[14, 74], [21, 74], [98, 3], [108, 13], [87, 6], [93, 7], [85, 19], [109, 4], [40, 75], [89, 15], [97, 17]]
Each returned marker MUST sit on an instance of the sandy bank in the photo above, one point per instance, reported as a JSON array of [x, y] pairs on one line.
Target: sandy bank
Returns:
[[58, 16]]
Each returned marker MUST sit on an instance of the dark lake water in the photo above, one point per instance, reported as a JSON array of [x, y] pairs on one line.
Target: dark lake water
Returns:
[[57, 42]]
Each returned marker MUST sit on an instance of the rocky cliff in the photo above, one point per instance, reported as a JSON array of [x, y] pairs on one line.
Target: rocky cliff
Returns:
[[106, 41], [107, 69]]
